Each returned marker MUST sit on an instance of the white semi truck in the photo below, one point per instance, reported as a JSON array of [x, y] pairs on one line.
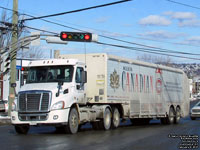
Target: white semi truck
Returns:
[[100, 89]]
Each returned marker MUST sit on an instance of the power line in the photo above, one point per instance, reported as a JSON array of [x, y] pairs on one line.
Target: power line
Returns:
[[150, 47], [78, 10], [152, 51], [158, 49], [100, 31], [41, 30], [183, 4], [146, 51], [7, 9], [166, 50]]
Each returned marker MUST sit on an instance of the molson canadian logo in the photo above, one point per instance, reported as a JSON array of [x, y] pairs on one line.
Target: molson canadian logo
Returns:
[[114, 80], [159, 86], [136, 82], [159, 81]]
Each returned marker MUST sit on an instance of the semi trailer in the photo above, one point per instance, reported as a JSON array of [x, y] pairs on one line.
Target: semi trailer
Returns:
[[100, 89]]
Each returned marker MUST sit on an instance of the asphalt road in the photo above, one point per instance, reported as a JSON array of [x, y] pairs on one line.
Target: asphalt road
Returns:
[[149, 137]]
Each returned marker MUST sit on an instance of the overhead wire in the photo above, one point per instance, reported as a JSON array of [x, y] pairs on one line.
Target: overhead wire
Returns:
[[152, 49], [99, 30], [78, 10], [145, 50], [183, 4], [163, 50], [99, 34], [167, 50]]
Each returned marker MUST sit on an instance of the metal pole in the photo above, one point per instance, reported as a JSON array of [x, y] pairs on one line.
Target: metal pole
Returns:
[[13, 54]]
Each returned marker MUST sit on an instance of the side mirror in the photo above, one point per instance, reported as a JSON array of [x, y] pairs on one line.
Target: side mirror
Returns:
[[84, 76]]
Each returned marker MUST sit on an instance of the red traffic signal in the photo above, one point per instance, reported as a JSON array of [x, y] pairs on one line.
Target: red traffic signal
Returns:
[[76, 36]]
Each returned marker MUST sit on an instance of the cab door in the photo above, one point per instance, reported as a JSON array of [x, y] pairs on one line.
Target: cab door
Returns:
[[80, 86]]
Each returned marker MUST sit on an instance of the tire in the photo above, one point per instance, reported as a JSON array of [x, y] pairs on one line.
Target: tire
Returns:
[[115, 118], [171, 116], [22, 129], [73, 121], [105, 124], [170, 119], [177, 116]]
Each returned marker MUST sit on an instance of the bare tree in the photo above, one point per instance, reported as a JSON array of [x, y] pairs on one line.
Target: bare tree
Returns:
[[163, 60], [5, 31], [33, 52]]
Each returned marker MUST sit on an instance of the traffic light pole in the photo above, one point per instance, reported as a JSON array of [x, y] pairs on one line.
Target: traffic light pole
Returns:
[[13, 54]]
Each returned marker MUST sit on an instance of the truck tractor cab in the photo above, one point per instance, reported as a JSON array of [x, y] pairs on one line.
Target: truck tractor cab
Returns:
[[52, 88]]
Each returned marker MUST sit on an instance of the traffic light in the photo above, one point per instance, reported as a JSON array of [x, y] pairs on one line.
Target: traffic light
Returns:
[[6, 68], [78, 36]]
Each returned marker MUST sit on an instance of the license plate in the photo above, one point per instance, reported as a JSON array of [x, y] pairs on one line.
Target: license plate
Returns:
[[33, 123]]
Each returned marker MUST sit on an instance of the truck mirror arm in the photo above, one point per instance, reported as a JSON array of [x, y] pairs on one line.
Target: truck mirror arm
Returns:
[[60, 83]]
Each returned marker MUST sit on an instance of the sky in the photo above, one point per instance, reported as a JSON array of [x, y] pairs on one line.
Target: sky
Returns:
[[156, 23]]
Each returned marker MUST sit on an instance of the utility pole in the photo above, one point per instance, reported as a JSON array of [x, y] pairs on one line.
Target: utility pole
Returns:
[[13, 55]]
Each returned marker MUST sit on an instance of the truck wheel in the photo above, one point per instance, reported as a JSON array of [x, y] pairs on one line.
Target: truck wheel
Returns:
[[115, 118], [106, 122], [22, 129], [171, 116], [72, 126], [178, 115]]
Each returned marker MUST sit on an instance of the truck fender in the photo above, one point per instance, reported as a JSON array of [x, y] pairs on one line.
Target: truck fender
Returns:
[[100, 109], [75, 105]]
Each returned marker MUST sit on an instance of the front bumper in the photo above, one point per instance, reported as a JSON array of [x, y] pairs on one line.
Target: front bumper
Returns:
[[52, 117], [196, 115]]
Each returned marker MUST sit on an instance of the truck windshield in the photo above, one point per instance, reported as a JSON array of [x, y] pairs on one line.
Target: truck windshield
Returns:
[[50, 74]]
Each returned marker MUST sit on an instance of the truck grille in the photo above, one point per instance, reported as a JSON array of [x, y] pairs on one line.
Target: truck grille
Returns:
[[195, 110], [34, 101], [33, 117]]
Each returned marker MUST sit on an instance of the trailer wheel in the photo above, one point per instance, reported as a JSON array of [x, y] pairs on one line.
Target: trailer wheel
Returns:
[[72, 126], [170, 119], [171, 116], [178, 115], [106, 122], [115, 118], [22, 129]]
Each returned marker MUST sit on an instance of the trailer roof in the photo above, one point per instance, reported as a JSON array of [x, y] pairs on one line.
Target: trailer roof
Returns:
[[137, 62]]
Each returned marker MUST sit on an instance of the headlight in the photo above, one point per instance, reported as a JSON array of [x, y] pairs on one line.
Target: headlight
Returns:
[[14, 107], [58, 105]]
